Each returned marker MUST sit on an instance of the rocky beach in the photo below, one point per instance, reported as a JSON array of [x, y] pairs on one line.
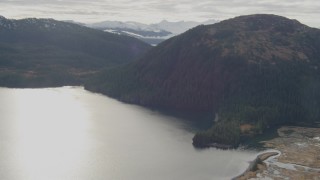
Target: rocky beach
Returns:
[[292, 155]]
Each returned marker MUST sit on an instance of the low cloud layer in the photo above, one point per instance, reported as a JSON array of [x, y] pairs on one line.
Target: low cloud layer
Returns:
[[151, 11]]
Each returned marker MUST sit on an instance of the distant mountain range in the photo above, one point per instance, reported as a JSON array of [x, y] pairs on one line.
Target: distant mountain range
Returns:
[[46, 52], [150, 33]]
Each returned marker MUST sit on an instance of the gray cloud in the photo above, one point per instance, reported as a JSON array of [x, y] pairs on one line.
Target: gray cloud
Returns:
[[149, 11]]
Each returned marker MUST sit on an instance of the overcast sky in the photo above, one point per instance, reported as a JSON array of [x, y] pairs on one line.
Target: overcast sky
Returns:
[[152, 11]]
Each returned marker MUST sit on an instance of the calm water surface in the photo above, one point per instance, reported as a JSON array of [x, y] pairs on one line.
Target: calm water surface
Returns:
[[68, 133]]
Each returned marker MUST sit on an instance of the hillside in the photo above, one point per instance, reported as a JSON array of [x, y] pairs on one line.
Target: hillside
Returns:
[[46, 52], [254, 71]]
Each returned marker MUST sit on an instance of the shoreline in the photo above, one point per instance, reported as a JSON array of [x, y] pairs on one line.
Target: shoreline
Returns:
[[253, 169], [292, 155]]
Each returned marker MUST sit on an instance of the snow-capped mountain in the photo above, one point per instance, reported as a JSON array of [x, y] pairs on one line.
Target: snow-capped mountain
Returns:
[[150, 33], [32, 24]]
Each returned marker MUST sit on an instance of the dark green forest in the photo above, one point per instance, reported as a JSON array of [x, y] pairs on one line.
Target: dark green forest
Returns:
[[261, 70], [46, 52]]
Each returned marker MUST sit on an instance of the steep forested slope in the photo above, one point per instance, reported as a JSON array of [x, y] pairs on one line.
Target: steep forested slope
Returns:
[[45, 52], [258, 70]]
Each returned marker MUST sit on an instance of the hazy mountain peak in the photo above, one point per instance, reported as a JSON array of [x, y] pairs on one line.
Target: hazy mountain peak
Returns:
[[150, 33]]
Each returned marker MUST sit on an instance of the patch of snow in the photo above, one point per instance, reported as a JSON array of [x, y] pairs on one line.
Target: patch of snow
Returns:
[[276, 172], [132, 34], [284, 165], [147, 37], [317, 138], [119, 32], [301, 144], [121, 25], [150, 33], [112, 31], [174, 27]]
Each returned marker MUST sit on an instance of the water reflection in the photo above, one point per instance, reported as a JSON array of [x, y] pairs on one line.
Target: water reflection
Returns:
[[69, 133], [51, 129]]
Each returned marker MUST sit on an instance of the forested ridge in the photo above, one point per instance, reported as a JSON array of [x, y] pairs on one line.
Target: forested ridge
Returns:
[[257, 70], [46, 52]]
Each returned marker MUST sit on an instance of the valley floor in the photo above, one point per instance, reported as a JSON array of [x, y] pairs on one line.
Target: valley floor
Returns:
[[295, 155]]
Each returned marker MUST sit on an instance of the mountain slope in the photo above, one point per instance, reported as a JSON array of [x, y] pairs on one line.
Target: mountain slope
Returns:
[[259, 70], [32, 50]]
